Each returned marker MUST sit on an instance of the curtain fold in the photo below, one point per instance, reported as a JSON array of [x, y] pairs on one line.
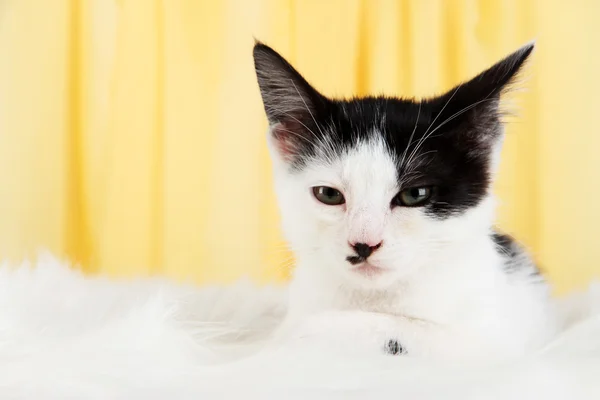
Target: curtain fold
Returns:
[[132, 136]]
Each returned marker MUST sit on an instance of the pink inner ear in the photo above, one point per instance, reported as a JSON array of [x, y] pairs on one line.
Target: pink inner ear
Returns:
[[287, 144]]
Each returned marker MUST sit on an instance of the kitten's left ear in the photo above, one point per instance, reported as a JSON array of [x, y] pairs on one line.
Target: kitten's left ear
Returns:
[[476, 102]]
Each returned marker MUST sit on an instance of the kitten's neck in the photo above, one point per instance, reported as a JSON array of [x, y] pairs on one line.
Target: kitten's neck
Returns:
[[433, 292]]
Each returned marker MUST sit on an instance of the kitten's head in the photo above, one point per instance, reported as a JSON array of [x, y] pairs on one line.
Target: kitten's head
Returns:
[[376, 188]]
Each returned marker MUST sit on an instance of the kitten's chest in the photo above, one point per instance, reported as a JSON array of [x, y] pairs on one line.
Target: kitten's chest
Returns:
[[402, 303], [436, 307], [383, 303]]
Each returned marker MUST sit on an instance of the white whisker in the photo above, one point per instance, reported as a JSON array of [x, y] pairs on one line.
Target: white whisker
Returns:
[[412, 134], [424, 137]]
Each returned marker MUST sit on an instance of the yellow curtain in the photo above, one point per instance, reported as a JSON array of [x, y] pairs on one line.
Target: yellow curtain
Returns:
[[132, 133]]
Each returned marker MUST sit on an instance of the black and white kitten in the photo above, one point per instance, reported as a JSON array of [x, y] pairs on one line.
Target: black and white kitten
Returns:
[[386, 204]]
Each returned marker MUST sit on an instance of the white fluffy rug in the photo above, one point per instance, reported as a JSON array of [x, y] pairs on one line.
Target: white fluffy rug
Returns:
[[66, 336]]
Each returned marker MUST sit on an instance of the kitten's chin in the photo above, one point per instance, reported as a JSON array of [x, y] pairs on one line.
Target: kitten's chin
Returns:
[[368, 270], [368, 276]]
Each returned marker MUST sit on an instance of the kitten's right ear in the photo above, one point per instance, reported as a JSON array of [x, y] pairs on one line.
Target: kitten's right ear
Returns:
[[284, 91], [292, 105]]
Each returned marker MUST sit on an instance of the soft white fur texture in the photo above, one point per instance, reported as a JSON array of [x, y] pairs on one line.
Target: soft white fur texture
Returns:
[[444, 285], [66, 336]]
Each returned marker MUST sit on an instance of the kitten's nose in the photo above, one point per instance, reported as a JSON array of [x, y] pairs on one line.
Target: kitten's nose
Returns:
[[364, 250]]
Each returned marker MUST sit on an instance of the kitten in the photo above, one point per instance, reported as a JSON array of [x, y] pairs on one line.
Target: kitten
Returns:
[[386, 204]]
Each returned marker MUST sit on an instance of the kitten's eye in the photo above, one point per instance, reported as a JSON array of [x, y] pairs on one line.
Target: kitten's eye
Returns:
[[328, 195], [413, 197]]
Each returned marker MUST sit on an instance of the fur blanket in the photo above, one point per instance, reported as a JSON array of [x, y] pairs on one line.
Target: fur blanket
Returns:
[[67, 336]]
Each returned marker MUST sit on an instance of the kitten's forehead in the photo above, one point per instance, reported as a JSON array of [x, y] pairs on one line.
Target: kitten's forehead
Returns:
[[389, 118], [401, 111], [369, 166], [369, 141], [366, 161], [395, 124]]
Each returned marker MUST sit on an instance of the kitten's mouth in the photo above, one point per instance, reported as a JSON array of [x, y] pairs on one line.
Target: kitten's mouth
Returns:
[[363, 267]]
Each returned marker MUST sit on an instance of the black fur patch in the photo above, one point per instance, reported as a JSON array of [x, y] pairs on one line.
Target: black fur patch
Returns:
[[394, 348], [452, 135], [516, 257], [506, 244]]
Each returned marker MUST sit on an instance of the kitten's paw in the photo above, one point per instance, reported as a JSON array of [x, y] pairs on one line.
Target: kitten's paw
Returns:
[[394, 348], [356, 332]]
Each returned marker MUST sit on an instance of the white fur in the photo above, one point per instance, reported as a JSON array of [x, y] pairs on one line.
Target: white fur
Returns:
[[444, 286], [65, 336]]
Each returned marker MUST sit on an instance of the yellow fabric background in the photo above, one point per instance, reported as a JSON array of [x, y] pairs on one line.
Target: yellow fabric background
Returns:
[[132, 133]]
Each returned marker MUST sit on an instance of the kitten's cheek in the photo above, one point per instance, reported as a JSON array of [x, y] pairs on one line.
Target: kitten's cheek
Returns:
[[407, 222], [322, 227]]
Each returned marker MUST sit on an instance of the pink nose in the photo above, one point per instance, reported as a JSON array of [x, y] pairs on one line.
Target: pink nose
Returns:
[[364, 250]]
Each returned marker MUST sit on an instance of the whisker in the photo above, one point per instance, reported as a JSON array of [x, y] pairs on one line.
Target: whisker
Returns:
[[307, 109], [455, 115], [413, 164], [320, 139], [412, 134], [298, 136], [319, 144], [424, 137], [300, 122], [458, 113]]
